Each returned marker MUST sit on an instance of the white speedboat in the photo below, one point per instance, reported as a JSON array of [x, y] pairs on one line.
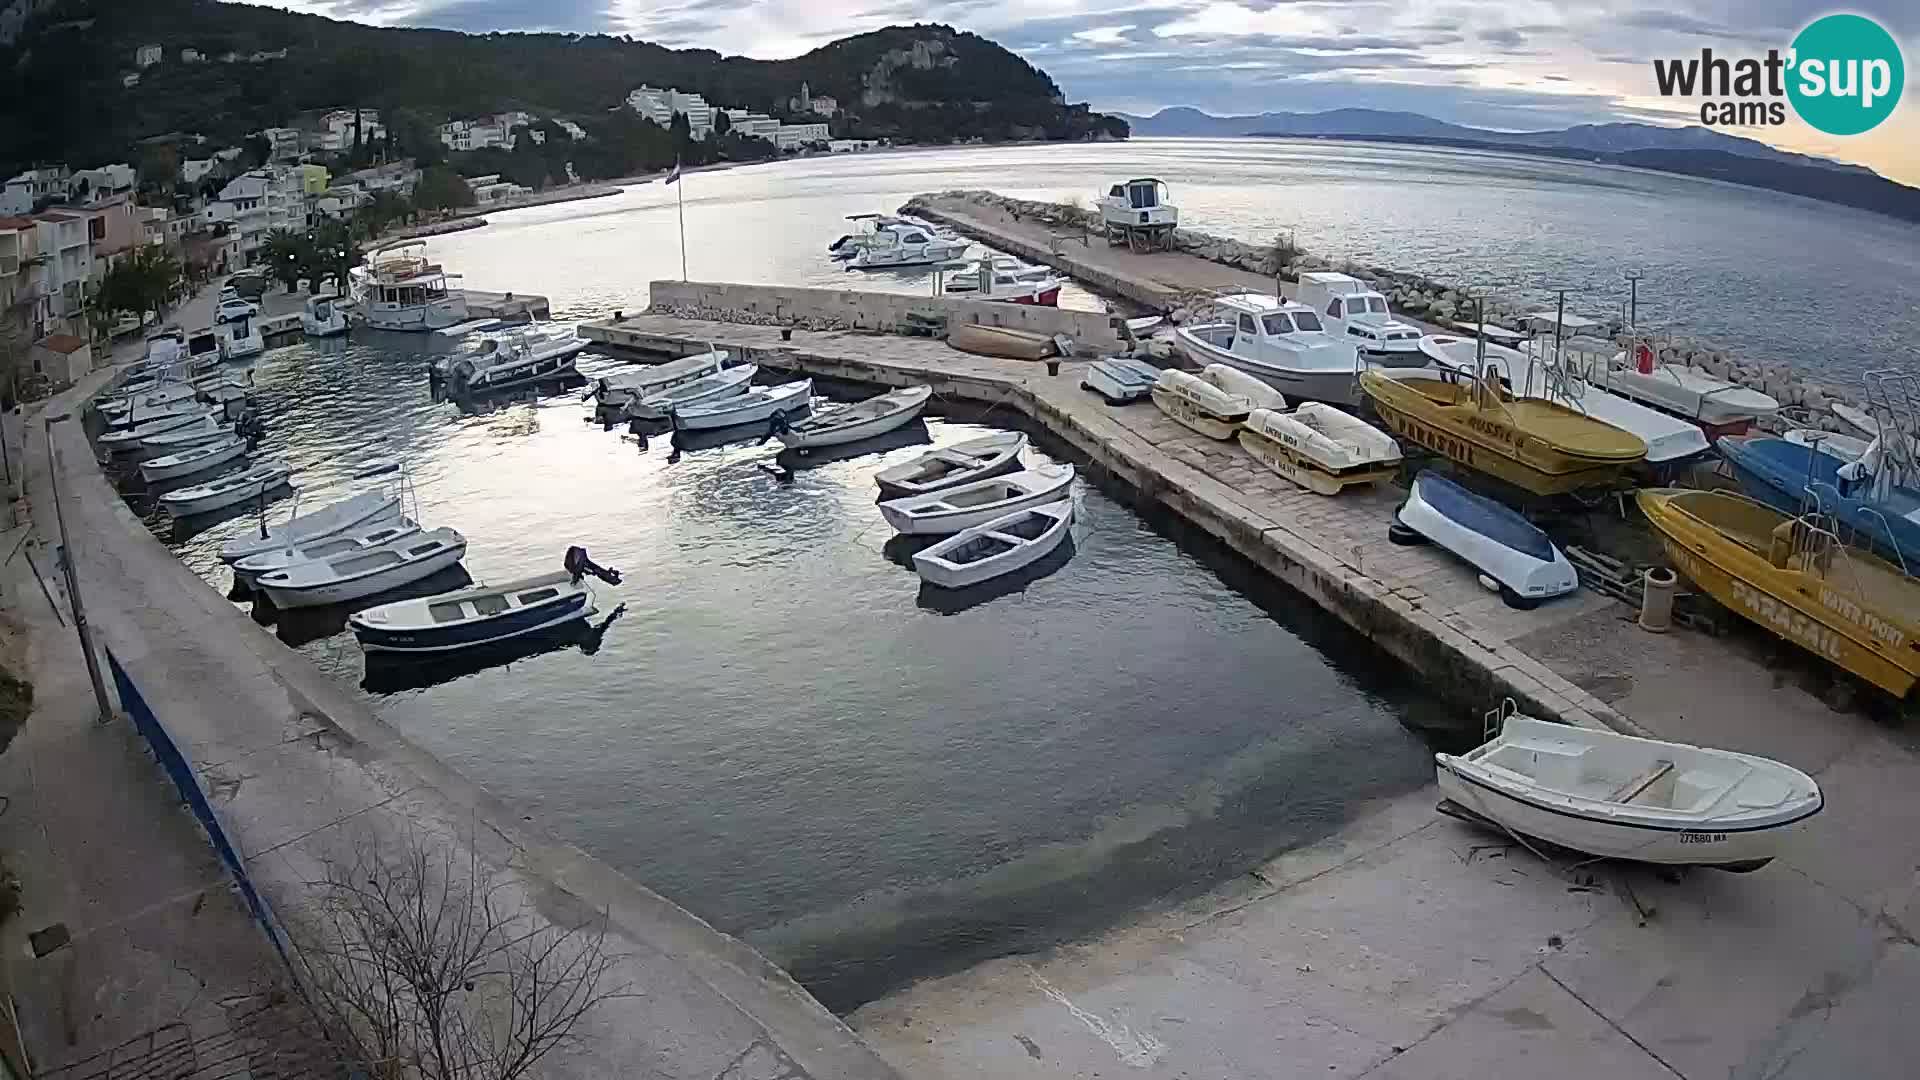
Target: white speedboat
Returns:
[[361, 510], [240, 337], [321, 316], [1724, 407], [1319, 447], [729, 382], [950, 466], [894, 246], [941, 513], [359, 574], [1200, 404], [862, 420], [1280, 342], [757, 404], [616, 392], [224, 491], [331, 547], [198, 459], [1619, 797], [1520, 560], [1353, 311], [1120, 379], [997, 547], [127, 439], [1833, 444], [517, 358], [204, 430], [1006, 280]]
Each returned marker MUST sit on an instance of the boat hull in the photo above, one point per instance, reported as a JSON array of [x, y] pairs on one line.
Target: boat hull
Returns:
[[1120, 380], [999, 341], [341, 592], [746, 409], [160, 470], [1333, 387], [1778, 473], [1490, 538], [1208, 421], [618, 392], [997, 455], [935, 569], [512, 624], [812, 438], [1305, 470], [206, 504], [947, 521]]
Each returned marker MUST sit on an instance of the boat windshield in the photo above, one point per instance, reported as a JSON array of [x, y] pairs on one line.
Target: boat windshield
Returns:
[[1377, 304], [1277, 324], [1308, 320]]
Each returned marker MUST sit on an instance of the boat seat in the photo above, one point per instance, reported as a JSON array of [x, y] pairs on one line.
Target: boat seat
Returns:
[[1638, 786]]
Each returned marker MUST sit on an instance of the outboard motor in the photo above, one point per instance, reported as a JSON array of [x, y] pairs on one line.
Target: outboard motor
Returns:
[[578, 565], [776, 424]]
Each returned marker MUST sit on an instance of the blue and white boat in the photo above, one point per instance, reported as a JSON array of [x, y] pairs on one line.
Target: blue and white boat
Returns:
[[1120, 379], [1794, 478], [482, 614], [1490, 536]]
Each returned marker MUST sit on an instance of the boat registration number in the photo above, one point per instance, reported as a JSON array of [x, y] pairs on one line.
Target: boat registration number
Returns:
[[1703, 837]]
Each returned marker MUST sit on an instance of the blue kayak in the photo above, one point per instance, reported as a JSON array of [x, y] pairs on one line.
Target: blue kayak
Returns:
[[1793, 479]]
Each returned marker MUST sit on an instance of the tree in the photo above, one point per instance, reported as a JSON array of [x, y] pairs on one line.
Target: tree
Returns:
[[159, 170], [440, 188], [258, 150], [722, 123], [382, 210], [334, 252], [143, 281], [287, 255]]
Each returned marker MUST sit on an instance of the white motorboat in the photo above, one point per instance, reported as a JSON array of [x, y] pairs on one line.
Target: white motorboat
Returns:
[[203, 351], [1352, 310], [1137, 213], [1520, 560], [357, 541], [1319, 447], [1619, 797], [997, 547], [1120, 379], [896, 245], [862, 420], [950, 466], [403, 290], [729, 382], [616, 392], [197, 459], [154, 397], [472, 326], [128, 439], [757, 404], [164, 349], [1006, 280], [953, 509], [321, 316], [360, 574], [240, 338], [1280, 342], [870, 228], [140, 415], [518, 357], [482, 614], [224, 491], [1726, 408], [204, 430], [1200, 404], [360, 510]]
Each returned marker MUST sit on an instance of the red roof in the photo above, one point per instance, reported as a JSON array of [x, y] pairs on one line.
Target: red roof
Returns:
[[15, 223], [61, 215], [63, 343]]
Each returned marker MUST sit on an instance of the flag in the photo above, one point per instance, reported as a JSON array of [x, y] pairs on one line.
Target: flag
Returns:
[[674, 176]]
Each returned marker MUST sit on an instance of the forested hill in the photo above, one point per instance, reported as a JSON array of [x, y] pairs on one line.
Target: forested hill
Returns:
[[61, 93]]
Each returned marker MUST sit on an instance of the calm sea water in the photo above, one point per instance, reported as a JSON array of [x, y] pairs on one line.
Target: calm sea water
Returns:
[[784, 732], [1776, 277]]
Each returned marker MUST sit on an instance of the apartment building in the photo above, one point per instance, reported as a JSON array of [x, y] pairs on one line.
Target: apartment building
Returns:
[[24, 303], [660, 105], [255, 204]]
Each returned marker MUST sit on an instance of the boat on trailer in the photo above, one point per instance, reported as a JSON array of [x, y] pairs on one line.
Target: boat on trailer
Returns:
[[482, 614], [951, 466], [1277, 341], [1722, 407], [860, 420], [1319, 447], [997, 547], [1120, 380], [942, 513], [1510, 551]]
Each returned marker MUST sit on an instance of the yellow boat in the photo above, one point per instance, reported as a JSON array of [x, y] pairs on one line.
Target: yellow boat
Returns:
[[1539, 446], [1794, 577]]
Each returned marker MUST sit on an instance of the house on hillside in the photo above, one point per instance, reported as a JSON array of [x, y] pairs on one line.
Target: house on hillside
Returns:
[[24, 305], [574, 131], [192, 56], [22, 193], [66, 254], [148, 55], [794, 136], [474, 135]]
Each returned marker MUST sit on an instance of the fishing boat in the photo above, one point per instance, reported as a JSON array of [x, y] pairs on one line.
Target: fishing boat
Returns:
[[1352, 310], [1539, 446], [951, 466], [136, 416], [366, 508], [197, 459], [616, 392], [1120, 379], [1001, 341], [321, 316], [1722, 407], [1280, 342], [353, 542], [1790, 477], [1005, 280], [155, 397], [758, 404], [163, 349], [851, 423], [730, 382], [404, 290], [1793, 577], [221, 492], [997, 547], [204, 430], [518, 357], [1619, 797], [941, 513], [1136, 213], [1319, 447], [482, 614], [1520, 560], [359, 574], [127, 439], [1200, 404]]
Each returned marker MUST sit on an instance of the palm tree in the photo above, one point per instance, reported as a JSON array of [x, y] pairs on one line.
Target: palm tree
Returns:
[[287, 254]]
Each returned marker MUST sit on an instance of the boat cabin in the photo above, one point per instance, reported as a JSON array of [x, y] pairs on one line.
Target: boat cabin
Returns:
[[203, 343], [1265, 330], [1354, 310], [1138, 202]]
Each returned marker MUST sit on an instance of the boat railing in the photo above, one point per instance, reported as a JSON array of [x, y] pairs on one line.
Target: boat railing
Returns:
[[1893, 542], [1495, 719]]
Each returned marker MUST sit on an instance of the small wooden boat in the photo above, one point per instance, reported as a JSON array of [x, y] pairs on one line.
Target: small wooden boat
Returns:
[[1320, 448], [331, 547], [861, 420], [1120, 379], [757, 405], [1539, 446], [127, 439], [719, 384], [482, 614], [1000, 341], [1792, 576], [617, 391], [942, 513], [198, 459], [1619, 797], [1490, 537], [359, 574], [997, 547], [356, 511], [951, 466], [224, 491], [1199, 404]]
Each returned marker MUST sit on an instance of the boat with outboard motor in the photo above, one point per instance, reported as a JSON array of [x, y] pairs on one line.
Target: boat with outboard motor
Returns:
[[482, 614], [517, 357], [382, 502], [253, 482]]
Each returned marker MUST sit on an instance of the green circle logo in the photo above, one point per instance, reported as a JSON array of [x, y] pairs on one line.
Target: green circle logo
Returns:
[[1846, 74]]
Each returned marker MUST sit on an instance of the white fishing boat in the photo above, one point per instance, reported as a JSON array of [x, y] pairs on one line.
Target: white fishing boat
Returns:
[[1137, 213], [1200, 404], [1006, 280], [518, 357], [360, 510], [1725, 408], [1520, 561], [1119, 379], [951, 466], [893, 246], [940, 513], [482, 614], [204, 430], [757, 404], [355, 542], [198, 459], [360, 574], [862, 420], [156, 396], [404, 290], [224, 491], [616, 392], [997, 547], [1320, 448], [140, 415], [1280, 342], [240, 337], [321, 316], [729, 382], [127, 439], [1619, 797], [1351, 309], [203, 351]]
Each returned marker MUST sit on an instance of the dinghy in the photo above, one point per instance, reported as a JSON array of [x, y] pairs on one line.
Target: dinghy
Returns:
[[1000, 546], [755, 406], [1618, 797], [1320, 448], [863, 420], [1489, 536], [951, 466], [361, 574], [693, 391], [1234, 381], [1120, 379], [128, 439], [356, 511], [1000, 341], [331, 547], [147, 414], [187, 462], [482, 614], [224, 491], [1200, 404], [616, 392], [941, 513]]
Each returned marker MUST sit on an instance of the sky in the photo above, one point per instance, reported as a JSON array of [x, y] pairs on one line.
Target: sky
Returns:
[[1508, 64]]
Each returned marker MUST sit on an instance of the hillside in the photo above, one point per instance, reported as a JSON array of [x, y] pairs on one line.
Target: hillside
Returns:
[[61, 96]]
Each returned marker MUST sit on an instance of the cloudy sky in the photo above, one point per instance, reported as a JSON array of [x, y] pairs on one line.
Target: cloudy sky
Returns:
[[1512, 64]]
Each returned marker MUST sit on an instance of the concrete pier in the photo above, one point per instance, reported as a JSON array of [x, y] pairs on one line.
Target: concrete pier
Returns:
[[482, 304]]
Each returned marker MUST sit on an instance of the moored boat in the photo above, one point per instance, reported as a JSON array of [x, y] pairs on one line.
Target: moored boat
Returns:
[[1199, 404], [355, 511], [760, 403], [321, 316], [1319, 447], [950, 466], [614, 392], [941, 513], [221, 492], [861, 420], [155, 396], [482, 614], [204, 430], [518, 357], [996, 547], [1279, 342], [197, 459], [330, 547], [136, 416], [1523, 562], [127, 439], [357, 574], [1120, 379], [718, 384]]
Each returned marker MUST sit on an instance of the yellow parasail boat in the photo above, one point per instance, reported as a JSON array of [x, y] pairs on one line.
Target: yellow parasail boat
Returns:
[[1792, 576], [1539, 446]]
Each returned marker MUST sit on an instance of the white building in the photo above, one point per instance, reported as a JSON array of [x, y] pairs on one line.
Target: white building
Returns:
[[751, 124], [32, 186], [850, 146], [574, 131], [254, 205], [193, 171], [660, 105], [101, 183], [62, 237], [147, 55], [285, 141], [336, 130], [791, 136], [474, 135], [806, 101], [192, 56], [825, 106]]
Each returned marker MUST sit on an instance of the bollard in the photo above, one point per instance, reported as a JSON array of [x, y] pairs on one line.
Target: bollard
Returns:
[[1656, 599], [786, 333], [1053, 367]]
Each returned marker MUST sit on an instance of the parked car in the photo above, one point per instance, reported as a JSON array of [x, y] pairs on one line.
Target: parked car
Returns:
[[235, 308]]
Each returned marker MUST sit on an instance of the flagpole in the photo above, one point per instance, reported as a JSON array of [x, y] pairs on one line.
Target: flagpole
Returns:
[[680, 197]]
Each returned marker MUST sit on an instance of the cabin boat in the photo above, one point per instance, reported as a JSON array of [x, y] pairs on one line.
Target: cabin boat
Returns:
[[1120, 379], [518, 357], [403, 290], [844, 424], [1200, 404], [720, 383], [197, 459], [1319, 447], [240, 338], [951, 510], [898, 244], [951, 466], [221, 492], [997, 547], [358, 574], [164, 349], [1277, 341], [1352, 310], [321, 316], [756, 405], [1882, 514], [1719, 406], [1520, 560], [868, 226], [1006, 280], [616, 392], [1136, 213], [203, 351]]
